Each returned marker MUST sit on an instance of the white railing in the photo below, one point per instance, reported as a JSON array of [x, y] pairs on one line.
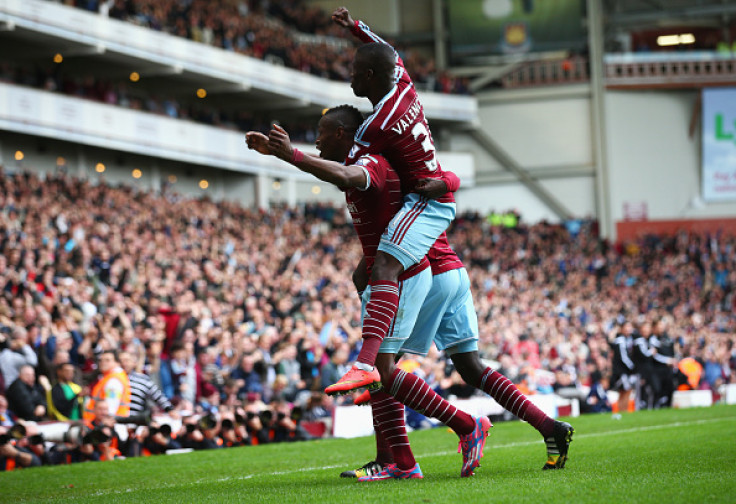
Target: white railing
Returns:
[[42, 113]]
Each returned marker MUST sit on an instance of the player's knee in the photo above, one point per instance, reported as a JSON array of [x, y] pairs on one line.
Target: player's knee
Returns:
[[385, 368], [471, 374], [469, 366], [386, 267]]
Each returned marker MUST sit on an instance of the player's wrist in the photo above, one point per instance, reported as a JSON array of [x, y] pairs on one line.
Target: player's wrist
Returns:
[[297, 156]]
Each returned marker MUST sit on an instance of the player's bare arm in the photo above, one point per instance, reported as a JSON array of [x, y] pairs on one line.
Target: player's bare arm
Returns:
[[258, 142], [335, 173]]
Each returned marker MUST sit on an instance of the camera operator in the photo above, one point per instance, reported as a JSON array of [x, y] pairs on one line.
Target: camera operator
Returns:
[[257, 423], [209, 426], [75, 445], [233, 431], [190, 436], [286, 426], [12, 455], [103, 436], [157, 439]]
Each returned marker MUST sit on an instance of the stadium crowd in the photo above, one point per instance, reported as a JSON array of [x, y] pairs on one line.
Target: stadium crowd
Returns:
[[232, 320], [289, 33]]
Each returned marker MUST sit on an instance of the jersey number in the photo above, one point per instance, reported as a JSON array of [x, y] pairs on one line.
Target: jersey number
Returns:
[[418, 130]]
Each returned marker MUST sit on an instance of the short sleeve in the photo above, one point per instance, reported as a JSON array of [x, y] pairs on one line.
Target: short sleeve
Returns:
[[375, 173]]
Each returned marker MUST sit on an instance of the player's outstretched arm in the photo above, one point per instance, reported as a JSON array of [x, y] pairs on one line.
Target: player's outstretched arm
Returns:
[[338, 174], [258, 142]]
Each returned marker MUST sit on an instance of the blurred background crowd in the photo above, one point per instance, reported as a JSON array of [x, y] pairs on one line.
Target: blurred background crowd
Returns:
[[290, 33], [232, 320]]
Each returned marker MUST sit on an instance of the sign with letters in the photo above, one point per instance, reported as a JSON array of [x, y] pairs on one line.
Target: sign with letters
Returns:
[[719, 144]]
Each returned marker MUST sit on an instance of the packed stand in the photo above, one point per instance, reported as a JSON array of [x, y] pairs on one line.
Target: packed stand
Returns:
[[230, 321], [289, 33], [53, 78]]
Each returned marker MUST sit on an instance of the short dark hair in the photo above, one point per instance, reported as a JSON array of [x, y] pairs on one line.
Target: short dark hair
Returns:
[[381, 58], [114, 354], [347, 116]]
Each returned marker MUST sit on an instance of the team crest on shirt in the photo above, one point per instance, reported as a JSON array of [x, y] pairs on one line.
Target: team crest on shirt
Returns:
[[353, 151]]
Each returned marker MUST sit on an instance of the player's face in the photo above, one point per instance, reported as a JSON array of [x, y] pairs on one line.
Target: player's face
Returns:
[[328, 144], [359, 76]]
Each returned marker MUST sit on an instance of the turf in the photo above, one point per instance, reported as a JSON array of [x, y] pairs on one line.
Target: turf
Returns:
[[665, 456]]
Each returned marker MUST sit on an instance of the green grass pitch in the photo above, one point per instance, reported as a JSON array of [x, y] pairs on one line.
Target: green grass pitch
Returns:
[[666, 456]]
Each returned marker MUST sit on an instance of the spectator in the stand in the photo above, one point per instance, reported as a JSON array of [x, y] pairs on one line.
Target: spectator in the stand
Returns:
[[64, 399], [26, 399], [247, 378], [18, 354], [290, 369], [112, 387], [143, 391], [336, 367], [182, 369], [712, 371], [5, 418], [251, 283]]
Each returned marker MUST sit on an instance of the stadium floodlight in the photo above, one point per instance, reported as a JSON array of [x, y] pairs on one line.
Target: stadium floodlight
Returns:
[[670, 40]]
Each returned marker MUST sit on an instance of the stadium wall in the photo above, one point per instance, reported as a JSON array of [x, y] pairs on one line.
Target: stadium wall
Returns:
[[547, 132], [653, 158]]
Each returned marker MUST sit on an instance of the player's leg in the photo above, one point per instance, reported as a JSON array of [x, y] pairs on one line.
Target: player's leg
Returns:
[[437, 303], [457, 334], [623, 385], [408, 297], [382, 306], [388, 413], [384, 456], [407, 239]]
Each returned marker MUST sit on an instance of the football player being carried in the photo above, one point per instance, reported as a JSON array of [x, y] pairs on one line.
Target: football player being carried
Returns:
[[447, 311], [398, 130], [373, 193]]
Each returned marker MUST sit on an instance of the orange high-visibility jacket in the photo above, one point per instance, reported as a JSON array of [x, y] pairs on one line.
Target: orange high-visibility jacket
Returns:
[[98, 394]]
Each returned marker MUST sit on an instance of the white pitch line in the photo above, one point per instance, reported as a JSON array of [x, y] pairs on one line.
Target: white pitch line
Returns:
[[223, 479], [596, 434]]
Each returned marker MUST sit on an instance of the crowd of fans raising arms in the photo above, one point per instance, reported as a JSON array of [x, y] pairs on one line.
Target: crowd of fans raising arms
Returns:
[[241, 316], [290, 33]]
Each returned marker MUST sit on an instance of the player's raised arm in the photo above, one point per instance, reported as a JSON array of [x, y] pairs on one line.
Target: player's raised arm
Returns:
[[342, 17], [335, 173], [362, 31]]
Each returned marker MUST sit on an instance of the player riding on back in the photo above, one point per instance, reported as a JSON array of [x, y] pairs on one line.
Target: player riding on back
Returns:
[[398, 130]]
